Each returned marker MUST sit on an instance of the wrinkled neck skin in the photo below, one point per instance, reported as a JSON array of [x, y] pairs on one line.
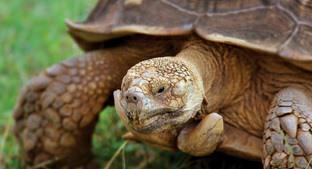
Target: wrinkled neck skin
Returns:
[[223, 72]]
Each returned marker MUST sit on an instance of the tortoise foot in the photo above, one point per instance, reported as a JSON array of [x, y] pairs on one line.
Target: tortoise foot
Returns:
[[288, 131]]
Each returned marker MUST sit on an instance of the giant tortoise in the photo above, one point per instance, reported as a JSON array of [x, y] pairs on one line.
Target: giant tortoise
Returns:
[[232, 76]]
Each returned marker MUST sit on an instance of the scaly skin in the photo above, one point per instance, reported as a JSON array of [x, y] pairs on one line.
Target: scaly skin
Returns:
[[239, 84], [57, 110], [287, 137]]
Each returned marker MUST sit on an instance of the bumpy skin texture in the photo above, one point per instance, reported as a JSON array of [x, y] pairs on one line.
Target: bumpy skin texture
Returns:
[[240, 85], [57, 110], [160, 85], [288, 131]]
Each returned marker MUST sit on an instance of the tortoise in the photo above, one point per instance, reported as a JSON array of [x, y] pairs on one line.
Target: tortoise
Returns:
[[197, 76]]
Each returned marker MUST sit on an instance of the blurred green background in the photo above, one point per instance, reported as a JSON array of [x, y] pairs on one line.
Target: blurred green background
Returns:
[[33, 37]]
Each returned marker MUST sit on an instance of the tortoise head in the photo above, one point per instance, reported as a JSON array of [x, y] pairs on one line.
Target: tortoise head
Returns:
[[159, 94]]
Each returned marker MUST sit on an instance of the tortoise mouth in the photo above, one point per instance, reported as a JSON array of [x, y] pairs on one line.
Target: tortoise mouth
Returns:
[[149, 115], [158, 120]]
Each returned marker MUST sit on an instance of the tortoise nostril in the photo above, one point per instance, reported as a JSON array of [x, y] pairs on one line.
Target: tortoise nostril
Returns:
[[132, 98]]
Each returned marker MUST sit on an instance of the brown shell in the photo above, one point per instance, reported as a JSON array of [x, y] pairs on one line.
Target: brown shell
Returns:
[[282, 27]]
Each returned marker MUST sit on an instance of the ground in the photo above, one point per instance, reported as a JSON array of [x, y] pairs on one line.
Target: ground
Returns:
[[32, 37]]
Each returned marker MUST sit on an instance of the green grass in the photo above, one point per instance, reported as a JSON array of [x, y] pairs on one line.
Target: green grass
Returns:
[[32, 37]]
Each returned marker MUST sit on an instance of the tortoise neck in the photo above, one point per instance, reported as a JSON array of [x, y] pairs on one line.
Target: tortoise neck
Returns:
[[224, 71]]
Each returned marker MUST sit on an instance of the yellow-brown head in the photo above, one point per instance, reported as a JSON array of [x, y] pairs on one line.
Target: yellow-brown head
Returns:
[[159, 94]]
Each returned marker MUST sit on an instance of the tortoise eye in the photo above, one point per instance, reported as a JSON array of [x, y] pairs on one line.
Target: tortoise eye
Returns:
[[161, 89]]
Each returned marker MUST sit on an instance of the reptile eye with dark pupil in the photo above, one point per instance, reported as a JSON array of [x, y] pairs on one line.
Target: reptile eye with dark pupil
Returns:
[[160, 90]]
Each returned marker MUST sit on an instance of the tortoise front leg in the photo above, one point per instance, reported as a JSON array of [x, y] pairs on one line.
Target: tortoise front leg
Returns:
[[288, 131], [57, 110]]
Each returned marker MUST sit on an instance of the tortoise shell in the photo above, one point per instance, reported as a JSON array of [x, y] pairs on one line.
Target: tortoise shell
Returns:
[[282, 27]]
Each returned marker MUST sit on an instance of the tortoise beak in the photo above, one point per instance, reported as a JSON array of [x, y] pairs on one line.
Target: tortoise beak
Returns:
[[120, 110], [125, 109]]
